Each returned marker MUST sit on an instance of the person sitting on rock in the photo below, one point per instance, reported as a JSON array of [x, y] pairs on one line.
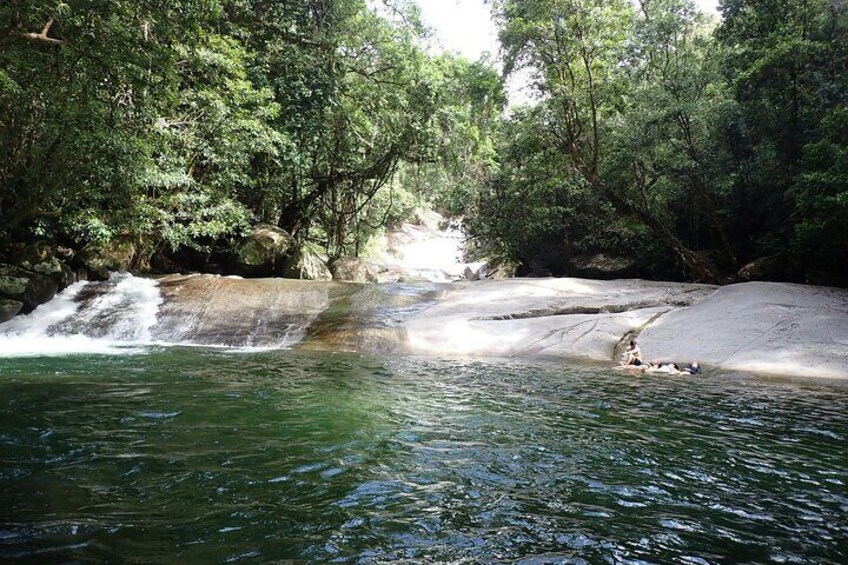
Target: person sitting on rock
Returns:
[[632, 355], [693, 369]]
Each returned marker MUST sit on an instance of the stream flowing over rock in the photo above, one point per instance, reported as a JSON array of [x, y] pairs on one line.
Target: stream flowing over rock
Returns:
[[772, 328], [429, 249]]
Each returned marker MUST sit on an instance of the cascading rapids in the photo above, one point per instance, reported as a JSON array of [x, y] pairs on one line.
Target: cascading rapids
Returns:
[[109, 317]]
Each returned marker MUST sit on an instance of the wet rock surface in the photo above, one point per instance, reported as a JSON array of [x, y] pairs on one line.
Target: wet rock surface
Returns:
[[776, 328], [574, 318], [231, 311]]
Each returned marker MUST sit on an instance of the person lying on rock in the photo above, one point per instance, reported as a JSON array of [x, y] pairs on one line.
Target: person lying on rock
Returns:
[[659, 367], [693, 369]]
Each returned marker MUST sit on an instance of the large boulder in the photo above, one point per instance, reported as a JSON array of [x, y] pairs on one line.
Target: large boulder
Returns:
[[764, 327], [56, 270], [771, 268], [9, 309], [307, 263], [601, 266], [497, 269], [565, 318], [101, 259], [353, 269], [264, 249], [27, 287], [41, 257]]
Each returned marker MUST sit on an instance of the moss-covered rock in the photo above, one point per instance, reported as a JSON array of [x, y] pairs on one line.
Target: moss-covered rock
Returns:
[[56, 270], [100, 260], [12, 283], [9, 309], [28, 287], [307, 263], [264, 249]]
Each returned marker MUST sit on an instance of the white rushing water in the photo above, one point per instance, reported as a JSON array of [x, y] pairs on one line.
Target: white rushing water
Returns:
[[119, 319], [430, 250]]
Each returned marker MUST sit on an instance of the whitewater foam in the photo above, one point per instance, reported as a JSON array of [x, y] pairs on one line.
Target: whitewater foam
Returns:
[[117, 321]]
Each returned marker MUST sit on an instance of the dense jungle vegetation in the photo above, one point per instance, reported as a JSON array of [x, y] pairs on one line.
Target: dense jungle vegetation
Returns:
[[689, 147]]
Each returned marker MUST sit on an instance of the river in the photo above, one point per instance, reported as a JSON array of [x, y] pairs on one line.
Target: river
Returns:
[[210, 455]]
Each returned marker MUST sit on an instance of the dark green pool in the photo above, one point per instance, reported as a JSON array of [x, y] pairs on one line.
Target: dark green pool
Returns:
[[199, 456]]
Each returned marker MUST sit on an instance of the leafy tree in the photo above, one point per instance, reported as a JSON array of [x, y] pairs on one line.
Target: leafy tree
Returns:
[[535, 209], [80, 84], [469, 102], [581, 50], [787, 65]]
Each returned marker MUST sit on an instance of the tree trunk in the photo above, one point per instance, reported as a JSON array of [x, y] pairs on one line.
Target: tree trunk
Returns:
[[699, 268]]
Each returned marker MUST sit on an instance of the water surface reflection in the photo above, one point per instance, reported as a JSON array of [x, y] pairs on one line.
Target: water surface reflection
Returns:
[[209, 456]]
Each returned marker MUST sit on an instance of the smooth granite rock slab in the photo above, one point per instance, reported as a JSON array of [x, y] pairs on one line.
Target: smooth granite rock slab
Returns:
[[574, 318], [776, 328]]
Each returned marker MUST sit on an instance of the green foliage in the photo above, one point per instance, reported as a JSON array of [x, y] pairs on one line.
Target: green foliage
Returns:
[[787, 64], [181, 124], [711, 140], [821, 194]]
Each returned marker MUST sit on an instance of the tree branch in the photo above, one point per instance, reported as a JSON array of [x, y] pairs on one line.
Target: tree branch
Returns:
[[41, 37]]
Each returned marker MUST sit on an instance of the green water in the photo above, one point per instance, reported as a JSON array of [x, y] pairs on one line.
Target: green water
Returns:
[[198, 456]]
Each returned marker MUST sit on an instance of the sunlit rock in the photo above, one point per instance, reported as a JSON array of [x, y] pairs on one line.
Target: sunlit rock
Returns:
[[572, 318], [307, 263], [56, 270], [353, 269], [497, 269], [263, 250], [777, 328]]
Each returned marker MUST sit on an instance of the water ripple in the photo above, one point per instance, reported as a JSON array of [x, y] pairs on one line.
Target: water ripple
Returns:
[[353, 459]]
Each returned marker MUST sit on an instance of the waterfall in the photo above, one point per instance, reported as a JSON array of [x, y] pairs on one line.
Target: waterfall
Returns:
[[127, 314], [104, 317], [429, 250]]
